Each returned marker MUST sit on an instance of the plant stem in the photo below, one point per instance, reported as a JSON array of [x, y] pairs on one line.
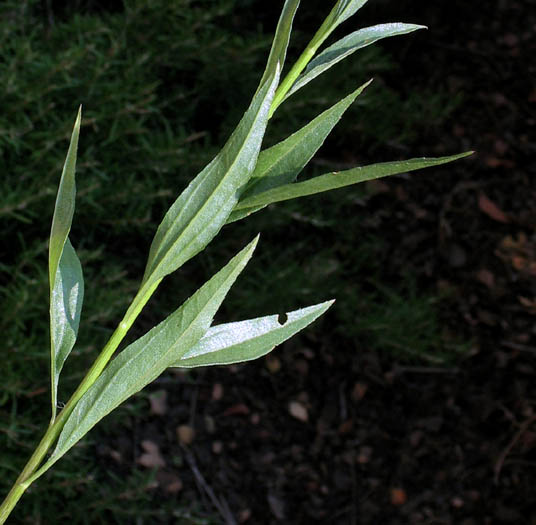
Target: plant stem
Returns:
[[107, 352], [309, 52], [30, 473], [22, 484]]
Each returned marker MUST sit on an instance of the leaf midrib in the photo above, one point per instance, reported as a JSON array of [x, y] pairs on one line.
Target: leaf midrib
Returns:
[[273, 330], [166, 353], [333, 110], [210, 198]]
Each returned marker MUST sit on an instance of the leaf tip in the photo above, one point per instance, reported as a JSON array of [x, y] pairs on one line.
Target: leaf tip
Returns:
[[325, 306], [250, 248], [359, 90], [322, 308], [464, 154], [78, 116]]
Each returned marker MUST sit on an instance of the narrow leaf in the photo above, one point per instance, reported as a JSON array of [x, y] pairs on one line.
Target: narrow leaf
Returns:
[[346, 9], [65, 309], [278, 51], [246, 340], [145, 359], [65, 201], [65, 272], [348, 45], [340, 179], [282, 163], [204, 206]]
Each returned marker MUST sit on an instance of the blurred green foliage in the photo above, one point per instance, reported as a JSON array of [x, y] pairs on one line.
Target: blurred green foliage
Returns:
[[162, 84]]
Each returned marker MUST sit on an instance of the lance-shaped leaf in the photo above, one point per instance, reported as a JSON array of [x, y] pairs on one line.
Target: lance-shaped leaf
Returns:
[[65, 309], [348, 45], [347, 8], [340, 12], [282, 163], [278, 52], [339, 179], [65, 202], [246, 340], [204, 206], [145, 359], [65, 272]]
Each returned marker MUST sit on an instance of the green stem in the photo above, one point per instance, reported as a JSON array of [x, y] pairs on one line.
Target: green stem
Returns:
[[309, 52], [30, 473], [111, 346], [22, 483]]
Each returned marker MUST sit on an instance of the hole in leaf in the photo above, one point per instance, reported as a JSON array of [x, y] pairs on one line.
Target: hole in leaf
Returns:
[[282, 318]]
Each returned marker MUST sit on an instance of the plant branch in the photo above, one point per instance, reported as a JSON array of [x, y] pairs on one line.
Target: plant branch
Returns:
[[30, 473], [309, 52]]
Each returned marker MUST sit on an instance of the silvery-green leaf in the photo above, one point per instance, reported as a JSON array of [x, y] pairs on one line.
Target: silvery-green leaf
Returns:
[[145, 359], [339, 179], [282, 163], [346, 8], [65, 309], [65, 272], [65, 202], [246, 340], [348, 45], [204, 206], [342, 10], [278, 51]]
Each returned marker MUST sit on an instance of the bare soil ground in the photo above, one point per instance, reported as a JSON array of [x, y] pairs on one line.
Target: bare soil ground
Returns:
[[315, 437]]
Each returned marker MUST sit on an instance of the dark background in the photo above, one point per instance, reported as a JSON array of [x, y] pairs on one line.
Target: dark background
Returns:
[[441, 436]]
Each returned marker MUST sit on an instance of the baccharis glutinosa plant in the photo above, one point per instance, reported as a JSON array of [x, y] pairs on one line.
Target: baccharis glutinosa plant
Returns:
[[242, 179]]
